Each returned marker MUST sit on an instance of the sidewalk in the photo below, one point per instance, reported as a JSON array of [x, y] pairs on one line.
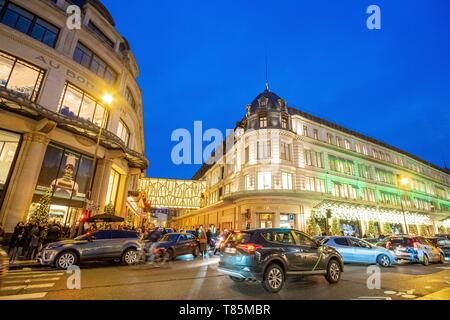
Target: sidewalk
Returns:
[[18, 264]]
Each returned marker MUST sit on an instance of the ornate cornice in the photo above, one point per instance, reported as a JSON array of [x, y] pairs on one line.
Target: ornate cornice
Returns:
[[13, 102]]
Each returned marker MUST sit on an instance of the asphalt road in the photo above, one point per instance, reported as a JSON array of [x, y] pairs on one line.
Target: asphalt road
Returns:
[[186, 278]]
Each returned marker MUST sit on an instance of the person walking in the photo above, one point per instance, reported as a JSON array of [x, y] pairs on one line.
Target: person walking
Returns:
[[17, 246], [18, 229], [153, 236], [35, 236], [201, 235]]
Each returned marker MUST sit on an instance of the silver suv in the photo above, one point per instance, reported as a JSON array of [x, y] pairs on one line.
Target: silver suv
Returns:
[[118, 245]]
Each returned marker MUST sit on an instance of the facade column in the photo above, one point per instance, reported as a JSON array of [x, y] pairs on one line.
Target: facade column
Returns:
[[24, 179], [101, 182]]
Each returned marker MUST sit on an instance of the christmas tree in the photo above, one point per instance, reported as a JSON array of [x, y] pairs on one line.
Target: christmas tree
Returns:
[[335, 227], [40, 215], [312, 227], [387, 228], [109, 209], [371, 231]]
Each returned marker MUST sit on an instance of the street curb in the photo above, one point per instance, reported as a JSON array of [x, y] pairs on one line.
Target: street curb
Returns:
[[21, 266]]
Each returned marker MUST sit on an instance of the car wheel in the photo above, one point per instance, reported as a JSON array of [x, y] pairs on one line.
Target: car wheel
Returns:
[[273, 278], [66, 259], [441, 258], [333, 271], [425, 261], [236, 279], [383, 260], [130, 257], [169, 255], [196, 252]]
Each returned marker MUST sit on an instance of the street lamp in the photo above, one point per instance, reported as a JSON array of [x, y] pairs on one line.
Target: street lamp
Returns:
[[404, 183]]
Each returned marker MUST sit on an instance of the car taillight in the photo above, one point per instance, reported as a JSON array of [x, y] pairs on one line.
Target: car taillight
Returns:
[[249, 247]]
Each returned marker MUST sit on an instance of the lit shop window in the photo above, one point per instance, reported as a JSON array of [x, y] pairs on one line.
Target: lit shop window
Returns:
[[8, 148], [113, 187], [264, 180], [19, 76], [286, 180], [78, 104], [123, 133], [67, 172], [26, 22]]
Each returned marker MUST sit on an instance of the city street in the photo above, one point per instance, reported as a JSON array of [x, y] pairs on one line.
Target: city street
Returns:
[[199, 279]]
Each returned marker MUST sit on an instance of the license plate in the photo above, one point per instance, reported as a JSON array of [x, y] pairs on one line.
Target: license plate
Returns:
[[230, 250]]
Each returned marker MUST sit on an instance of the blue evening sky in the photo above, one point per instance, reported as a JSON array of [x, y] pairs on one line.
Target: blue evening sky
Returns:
[[205, 60]]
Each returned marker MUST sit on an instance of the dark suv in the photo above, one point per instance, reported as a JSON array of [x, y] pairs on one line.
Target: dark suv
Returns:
[[119, 245], [270, 255]]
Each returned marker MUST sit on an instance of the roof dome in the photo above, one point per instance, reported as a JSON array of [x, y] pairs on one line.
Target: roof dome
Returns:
[[267, 100]]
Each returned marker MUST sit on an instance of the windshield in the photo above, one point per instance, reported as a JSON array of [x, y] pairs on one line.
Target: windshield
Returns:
[[84, 236], [170, 237]]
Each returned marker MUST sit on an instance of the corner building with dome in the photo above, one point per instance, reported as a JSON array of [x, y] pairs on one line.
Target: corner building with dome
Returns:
[[287, 168]]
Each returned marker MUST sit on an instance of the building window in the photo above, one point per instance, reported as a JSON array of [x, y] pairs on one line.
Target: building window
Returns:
[[26, 22], [9, 143], [338, 141], [19, 76], [88, 59], [248, 182], [113, 188], [264, 149], [364, 148], [129, 98], [314, 184], [100, 35], [313, 158], [389, 198], [247, 154], [364, 171], [285, 151], [369, 195], [305, 131], [264, 180], [78, 104], [284, 123], [123, 132], [347, 144], [263, 122], [67, 172], [384, 176], [329, 138], [286, 180], [357, 148], [341, 165], [343, 190], [316, 134]]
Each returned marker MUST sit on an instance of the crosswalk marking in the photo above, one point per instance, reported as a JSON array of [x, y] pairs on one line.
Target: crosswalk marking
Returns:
[[20, 284], [26, 296], [34, 275], [25, 286], [34, 280]]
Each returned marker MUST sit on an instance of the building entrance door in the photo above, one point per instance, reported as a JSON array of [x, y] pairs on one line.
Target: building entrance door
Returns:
[[266, 220]]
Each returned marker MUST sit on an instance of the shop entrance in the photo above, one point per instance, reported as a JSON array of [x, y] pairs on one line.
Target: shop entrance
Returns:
[[266, 220]]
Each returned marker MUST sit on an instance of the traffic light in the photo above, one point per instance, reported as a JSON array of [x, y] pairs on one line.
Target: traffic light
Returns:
[[85, 215]]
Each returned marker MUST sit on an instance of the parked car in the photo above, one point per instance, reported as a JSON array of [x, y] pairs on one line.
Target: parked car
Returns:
[[271, 255], [373, 241], [177, 244], [354, 250], [118, 245], [414, 249], [4, 262], [443, 243]]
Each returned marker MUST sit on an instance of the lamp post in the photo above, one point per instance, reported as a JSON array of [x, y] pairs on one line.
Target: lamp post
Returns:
[[404, 183], [108, 100]]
